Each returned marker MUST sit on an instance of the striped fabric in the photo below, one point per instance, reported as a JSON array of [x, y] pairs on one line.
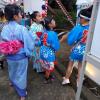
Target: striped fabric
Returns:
[[1, 26]]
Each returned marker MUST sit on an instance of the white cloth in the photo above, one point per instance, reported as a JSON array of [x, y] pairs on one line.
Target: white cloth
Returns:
[[83, 4], [80, 2]]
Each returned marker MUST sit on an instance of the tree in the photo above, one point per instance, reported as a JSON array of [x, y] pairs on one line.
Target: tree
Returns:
[[69, 4]]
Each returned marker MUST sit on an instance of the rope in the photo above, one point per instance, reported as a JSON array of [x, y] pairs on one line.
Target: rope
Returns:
[[44, 11], [65, 12]]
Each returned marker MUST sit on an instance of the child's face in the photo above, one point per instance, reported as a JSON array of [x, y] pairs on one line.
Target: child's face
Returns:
[[18, 17], [52, 24], [83, 21], [38, 17]]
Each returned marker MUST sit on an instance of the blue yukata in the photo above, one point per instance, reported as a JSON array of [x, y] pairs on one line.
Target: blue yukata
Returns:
[[36, 27], [47, 52], [77, 37], [18, 63]]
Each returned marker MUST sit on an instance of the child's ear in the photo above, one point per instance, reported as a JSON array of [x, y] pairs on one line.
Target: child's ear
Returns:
[[33, 19], [15, 17], [49, 24]]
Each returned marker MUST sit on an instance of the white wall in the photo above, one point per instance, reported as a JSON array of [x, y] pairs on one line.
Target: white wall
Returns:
[[93, 73], [1, 4], [32, 5], [95, 49], [5, 2], [80, 2]]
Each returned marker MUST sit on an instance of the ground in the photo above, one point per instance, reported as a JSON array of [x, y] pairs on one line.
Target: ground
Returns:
[[37, 90]]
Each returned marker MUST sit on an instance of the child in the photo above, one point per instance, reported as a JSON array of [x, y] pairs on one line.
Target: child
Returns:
[[77, 36], [18, 62], [50, 44], [36, 31]]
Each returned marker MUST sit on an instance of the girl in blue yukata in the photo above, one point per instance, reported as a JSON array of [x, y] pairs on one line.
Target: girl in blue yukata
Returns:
[[50, 44], [77, 37], [17, 63], [36, 30]]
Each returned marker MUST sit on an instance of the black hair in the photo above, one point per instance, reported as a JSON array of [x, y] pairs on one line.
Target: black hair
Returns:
[[47, 21], [1, 14], [11, 10], [33, 15], [43, 7], [86, 12]]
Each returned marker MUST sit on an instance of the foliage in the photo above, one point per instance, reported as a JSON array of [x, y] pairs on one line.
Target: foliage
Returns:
[[61, 20], [69, 4]]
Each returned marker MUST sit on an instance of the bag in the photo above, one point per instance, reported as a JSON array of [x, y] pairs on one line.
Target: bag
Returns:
[[10, 47]]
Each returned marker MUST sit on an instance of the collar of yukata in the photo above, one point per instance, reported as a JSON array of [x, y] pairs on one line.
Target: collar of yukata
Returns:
[[36, 22]]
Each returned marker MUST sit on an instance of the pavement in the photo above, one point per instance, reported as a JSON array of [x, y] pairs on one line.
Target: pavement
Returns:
[[37, 90]]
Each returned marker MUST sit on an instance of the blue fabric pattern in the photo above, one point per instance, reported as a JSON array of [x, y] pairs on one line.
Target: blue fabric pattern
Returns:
[[77, 52], [18, 75], [76, 34], [47, 53]]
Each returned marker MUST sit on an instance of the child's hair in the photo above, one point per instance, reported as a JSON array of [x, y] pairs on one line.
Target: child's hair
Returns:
[[33, 15], [11, 10], [1, 14], [43, 7], [47, 21], [86, 13]]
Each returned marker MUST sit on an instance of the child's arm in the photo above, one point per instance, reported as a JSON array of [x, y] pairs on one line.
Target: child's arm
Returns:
[[74, 35], [63, 39], [55, 44]]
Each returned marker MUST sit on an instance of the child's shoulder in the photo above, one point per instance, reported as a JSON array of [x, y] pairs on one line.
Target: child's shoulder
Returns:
[[78, 26], [51, 32], [20, 27]]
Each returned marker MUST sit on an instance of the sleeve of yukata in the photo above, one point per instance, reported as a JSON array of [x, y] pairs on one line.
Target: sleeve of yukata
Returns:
[[74, 35], [4, 35], [28, 42], [55, 41], [32, 32]]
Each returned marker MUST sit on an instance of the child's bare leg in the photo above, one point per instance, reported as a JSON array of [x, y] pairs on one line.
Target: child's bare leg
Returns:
[[69, 69], [22, 98], [47, 74], [47, 77], [68, 73]]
